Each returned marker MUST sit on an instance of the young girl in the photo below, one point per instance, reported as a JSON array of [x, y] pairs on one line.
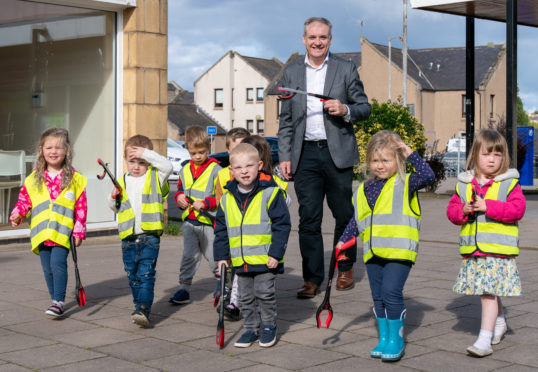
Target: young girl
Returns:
[[55, 197], [387, 218], [487, 204]]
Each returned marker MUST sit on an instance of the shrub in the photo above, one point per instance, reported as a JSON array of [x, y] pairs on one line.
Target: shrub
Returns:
[[391, 116], [436, 164], [172, 229]]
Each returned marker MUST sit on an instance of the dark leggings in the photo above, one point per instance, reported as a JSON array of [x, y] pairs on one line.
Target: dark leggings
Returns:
[[387, 279]]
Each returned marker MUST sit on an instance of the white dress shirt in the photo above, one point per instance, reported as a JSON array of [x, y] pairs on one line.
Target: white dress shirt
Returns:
[[315, 82]]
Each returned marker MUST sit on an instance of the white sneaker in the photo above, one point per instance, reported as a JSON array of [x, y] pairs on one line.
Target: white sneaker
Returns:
[[479, 352], [497, 337]]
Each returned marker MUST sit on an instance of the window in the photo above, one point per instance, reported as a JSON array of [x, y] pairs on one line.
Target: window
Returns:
[[233, 99], [250, 94], [491, 105], [219, 97], [259, 94], [259, 126], [463, 106], [411, 107], [250, 126]]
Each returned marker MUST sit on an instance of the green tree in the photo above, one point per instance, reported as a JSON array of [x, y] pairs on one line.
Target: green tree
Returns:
[[391, 116], [522, 117]]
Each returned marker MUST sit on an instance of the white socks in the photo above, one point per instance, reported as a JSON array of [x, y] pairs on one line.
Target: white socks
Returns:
[[483, 341], [500, 325]]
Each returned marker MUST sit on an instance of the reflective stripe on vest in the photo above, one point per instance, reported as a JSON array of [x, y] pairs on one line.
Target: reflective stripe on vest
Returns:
[[152, 218], [53, 220], [199, 189], [484, 233], [391, 230], [249, 233]]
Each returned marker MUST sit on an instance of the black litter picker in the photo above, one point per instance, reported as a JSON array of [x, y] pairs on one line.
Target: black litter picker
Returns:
[[106, 171], [80, 295], [220, 325]]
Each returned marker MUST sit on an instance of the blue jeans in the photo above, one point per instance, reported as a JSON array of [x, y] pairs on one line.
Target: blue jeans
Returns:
[[387, 279], [140, 258], [54, 264]]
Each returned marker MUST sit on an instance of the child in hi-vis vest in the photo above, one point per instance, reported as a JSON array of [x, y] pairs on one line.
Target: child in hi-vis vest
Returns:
[[487, 204], [54, 198], [141, 219], [387, 218]]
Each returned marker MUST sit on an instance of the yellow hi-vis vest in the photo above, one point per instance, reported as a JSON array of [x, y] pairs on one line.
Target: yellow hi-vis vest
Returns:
[[391, 230], [152, 219], [249, 232], [199, 189], [486, 234], [53, 220]]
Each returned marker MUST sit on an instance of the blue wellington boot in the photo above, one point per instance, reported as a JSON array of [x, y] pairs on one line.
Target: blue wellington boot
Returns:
[[383, 329], [395, 347]]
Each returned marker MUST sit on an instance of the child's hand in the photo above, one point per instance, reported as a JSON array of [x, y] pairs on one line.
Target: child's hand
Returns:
[[78, 241], [339, 245], [135, 152], [405, 149], [272, 263], [15, 219], [198, 205], [219, 264], [479, 205], [115, 192], [467, 208], [182, 201]]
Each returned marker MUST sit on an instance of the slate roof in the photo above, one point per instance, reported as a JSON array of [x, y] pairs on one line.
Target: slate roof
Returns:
[[182, 114], [267, 67], [444, 68]]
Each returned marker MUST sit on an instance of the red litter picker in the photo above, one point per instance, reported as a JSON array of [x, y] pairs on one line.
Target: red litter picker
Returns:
[[326, 305]]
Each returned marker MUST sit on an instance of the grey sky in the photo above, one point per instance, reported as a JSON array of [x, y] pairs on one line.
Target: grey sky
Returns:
[[202, 31]]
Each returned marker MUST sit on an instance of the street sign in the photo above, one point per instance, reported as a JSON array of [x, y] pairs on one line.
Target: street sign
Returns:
[[211, 130]]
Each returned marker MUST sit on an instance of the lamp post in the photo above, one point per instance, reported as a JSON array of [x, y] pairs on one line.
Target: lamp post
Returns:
[[390, 63]]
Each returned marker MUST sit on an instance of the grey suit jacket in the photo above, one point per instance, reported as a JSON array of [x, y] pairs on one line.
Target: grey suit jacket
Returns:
[[341, 82]]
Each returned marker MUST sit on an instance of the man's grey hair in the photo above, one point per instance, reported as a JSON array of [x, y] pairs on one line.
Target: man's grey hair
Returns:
[[323, 20]]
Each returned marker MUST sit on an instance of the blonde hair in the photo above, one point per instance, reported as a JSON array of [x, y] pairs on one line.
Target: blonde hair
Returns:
[[264, 150], [234, 134], [492, 140], [41, 164], [196, 136], [139, 141], [244, 149], [387, 140]]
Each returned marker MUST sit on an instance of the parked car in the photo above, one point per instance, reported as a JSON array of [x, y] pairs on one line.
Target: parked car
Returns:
[[450, 161], [178, 156], [222, 157]]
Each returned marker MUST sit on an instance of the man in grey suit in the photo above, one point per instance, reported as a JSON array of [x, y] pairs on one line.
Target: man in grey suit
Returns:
[[317, 147]]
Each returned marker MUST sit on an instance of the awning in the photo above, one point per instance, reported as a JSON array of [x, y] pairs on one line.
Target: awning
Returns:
[[527, 10]]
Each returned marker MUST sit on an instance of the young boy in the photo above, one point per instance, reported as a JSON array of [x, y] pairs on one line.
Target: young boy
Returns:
[[233, 137], [143, 188], [252, 229], [196, 197]]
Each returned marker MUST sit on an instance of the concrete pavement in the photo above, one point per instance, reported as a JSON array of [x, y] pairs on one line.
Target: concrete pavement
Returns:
[[100, 336]]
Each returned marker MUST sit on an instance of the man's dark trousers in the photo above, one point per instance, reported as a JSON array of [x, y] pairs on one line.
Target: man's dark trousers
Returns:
[[315, 177]]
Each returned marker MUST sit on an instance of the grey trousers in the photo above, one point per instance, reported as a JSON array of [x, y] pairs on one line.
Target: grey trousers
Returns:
[[197, 241], [257, 296]]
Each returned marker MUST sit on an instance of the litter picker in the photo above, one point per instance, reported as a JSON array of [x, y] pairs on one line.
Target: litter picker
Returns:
[[114, 181], [80, 296], [326, 305], [220, 325], [297, 91]]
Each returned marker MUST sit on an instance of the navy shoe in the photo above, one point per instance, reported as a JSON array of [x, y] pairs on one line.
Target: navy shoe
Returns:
[[141, 316], [247, 339], [180, 297], [268, 337]]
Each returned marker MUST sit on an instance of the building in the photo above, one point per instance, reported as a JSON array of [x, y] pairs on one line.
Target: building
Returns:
[[233, 91], [95, 67], [436, 85]]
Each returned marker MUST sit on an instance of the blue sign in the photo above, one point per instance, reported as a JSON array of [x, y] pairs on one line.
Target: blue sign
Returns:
[[211, 130]]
